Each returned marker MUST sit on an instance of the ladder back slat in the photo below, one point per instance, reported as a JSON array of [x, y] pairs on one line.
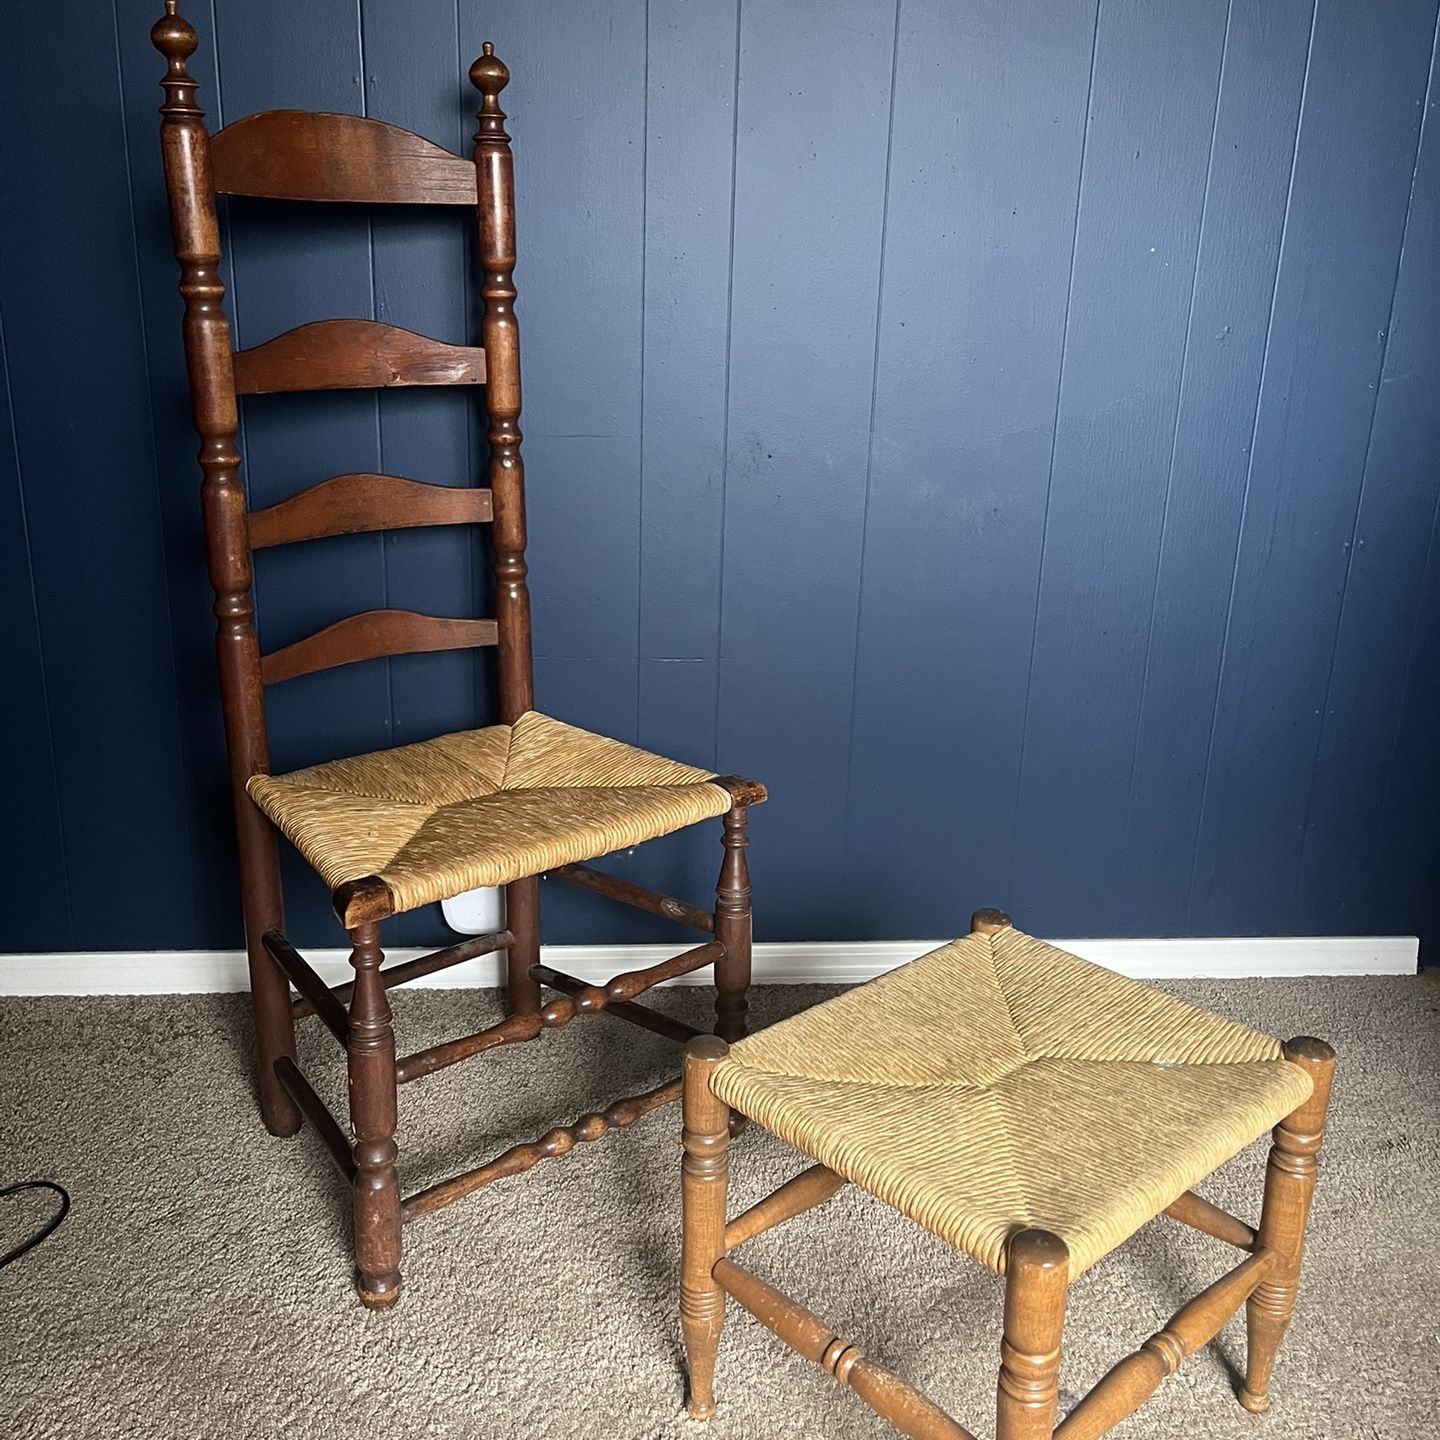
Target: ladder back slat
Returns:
[[371, 635], [302, 155], [354, 355], [360, 503]]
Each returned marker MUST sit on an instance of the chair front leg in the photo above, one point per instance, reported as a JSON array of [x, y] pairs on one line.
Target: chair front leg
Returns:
[[705, 1174], [733, 926], [1037, 1274], [1290, 1177], [522, 919], [370, 1057]]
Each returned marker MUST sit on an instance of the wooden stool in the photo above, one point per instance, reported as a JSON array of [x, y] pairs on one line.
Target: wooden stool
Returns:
[[1034, 1110]]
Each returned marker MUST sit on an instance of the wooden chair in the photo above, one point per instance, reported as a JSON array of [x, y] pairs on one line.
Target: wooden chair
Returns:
[[419, 823], [1034, 1111]]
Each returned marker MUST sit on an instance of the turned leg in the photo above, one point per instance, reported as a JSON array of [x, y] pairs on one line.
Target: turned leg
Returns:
[[370, 1053], [1289, 1185], [732, 926], [522, 919], [1037, 1274], [704, 1175], [269, 989]]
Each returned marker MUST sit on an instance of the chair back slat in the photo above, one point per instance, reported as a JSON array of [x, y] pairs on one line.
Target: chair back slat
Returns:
[[354, 355], [371, 635], [360, 503], [304, 155]]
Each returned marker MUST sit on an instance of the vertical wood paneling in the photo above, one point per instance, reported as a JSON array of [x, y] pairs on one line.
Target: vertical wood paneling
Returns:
[[1341, 885], [76, 361], [980, 422], [1142, 190], [810, 191], [979, 232], [32, 854], [1250, 166], [1355, 158]]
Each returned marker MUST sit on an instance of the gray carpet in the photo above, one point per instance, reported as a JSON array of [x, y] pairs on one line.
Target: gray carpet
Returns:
[[201, 1286]]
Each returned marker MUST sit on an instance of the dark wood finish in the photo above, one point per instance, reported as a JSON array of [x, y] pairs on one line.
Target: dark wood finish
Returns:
[[519, 1158], [360, 503], [1037, 1276], [742, 791], [318, 1114], [1290, 1176], [304, 155], [295, 155], [1199, 1214], [370, 1058], [641, 1015], [732, 926], [806, 1334], [371, 635], [989, 921], [1130, 1383], [321, 999], [195, 232], [640, 897], [422, 965], [353, 355], [804, 1192], [704, 1178]]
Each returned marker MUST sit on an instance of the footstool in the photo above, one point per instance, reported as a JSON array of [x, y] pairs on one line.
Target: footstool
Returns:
[[1033, 1110]]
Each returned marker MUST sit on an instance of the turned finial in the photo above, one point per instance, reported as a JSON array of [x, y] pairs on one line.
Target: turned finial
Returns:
[[489, 76], [175, 38], [989, 921]]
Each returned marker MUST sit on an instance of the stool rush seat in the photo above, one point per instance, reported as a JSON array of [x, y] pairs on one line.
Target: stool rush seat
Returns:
[[1034, 1111], [400, 828]]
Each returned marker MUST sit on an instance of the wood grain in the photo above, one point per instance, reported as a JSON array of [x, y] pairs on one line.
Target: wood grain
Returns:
[[314, 155], [370, 636], [354, 355], [357, 503]]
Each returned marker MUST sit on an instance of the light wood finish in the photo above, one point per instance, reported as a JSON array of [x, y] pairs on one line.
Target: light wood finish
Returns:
[[804, 1192], [1036, 1279], [641, 897], [295, 155], [353, 355], [1199, 1214], [305, 155], [875, 1048], [806, 1334], [359, 503], [1290, 1176], [704, 1179], [370, 635], [1130, 1383], [370, 1059], [590, 1127]]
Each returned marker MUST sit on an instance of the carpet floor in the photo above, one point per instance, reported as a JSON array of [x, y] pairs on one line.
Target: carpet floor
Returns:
[[200, 1286]]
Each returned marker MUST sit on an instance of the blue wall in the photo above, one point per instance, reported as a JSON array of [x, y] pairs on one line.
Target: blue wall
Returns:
[[1007, 427]]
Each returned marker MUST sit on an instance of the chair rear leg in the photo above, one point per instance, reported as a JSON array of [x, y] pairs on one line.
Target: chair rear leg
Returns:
[[269, 989], [522, 919], [370, 1057], [733, 927], [1289, 1186], [1037, 1275], [704, 1179]]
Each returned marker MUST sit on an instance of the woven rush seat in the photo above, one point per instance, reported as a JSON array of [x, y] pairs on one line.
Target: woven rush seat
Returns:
[[482, 807], [1000, 1084]]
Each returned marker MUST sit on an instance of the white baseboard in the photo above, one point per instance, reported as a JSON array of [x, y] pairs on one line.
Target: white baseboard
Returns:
[[183, 972]]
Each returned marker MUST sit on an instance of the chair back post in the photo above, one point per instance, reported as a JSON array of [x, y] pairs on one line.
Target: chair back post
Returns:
[[495, 182], [195, 230]]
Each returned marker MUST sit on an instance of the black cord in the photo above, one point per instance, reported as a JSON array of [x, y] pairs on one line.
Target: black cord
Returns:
[[50, 1226]]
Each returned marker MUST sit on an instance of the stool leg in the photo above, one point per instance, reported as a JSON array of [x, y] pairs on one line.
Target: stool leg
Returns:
[[1037, 1275], [1289, 1185], [704, 1177], [370, 1057], [732, 927]]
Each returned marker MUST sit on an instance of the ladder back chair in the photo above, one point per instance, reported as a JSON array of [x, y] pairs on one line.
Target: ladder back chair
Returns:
[[418, 823]]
